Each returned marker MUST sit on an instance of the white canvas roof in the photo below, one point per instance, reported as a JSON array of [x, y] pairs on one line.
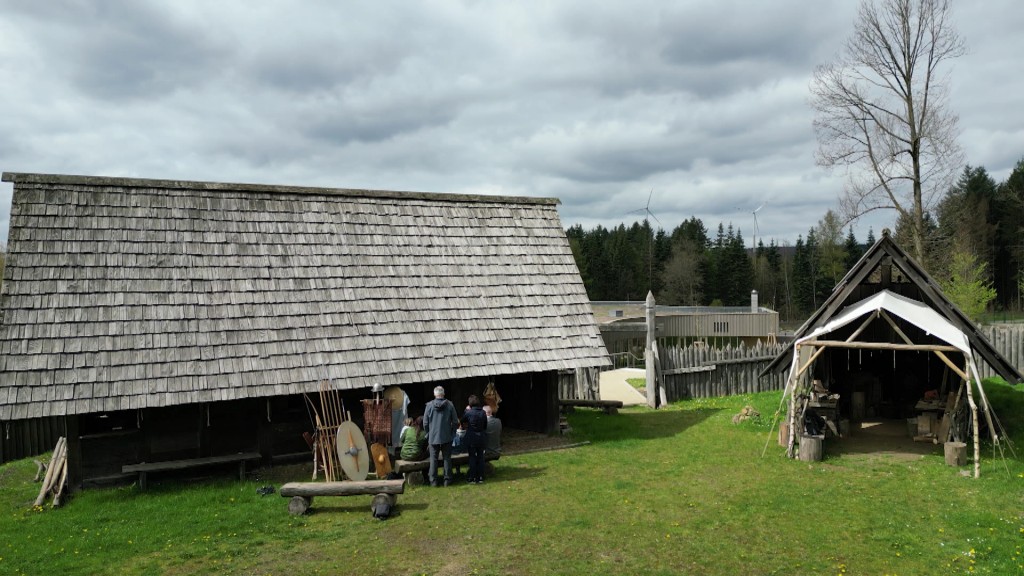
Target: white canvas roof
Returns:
[[912, 311]]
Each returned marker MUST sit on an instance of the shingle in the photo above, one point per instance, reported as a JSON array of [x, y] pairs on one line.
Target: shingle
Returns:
[[172, 285]]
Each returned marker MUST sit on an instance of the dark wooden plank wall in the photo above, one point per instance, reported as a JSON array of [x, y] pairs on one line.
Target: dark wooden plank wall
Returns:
[[25, 438]]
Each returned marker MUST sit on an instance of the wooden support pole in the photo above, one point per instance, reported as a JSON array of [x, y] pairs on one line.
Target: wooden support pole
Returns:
[[809, 360], [974, 423], [952, 366]]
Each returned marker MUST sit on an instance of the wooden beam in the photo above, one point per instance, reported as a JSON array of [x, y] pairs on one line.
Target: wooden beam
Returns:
[[867, 321], [691, 370], [895, 328], [952, 366], [880, 345], [809, 361]]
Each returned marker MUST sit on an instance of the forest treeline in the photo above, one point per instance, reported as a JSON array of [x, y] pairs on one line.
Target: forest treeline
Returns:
[[974, 248]]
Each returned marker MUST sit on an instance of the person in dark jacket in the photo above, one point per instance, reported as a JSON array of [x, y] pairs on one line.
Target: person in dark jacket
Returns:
[[476, 439], [439, 422]]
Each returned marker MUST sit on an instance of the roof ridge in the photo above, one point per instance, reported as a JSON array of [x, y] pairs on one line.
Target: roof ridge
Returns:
[[82, 180]]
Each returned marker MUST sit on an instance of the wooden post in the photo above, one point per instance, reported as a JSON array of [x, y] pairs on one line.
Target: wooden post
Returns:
[[298, 505], [956, 453], [974, 423], [810, 448], [652, 381], [74, 449], [383, 498]]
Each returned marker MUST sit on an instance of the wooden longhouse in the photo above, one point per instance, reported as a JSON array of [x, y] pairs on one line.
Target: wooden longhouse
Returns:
[[157, 320]]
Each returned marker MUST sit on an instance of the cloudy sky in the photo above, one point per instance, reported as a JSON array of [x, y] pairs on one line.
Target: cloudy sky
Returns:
[[701, 105]]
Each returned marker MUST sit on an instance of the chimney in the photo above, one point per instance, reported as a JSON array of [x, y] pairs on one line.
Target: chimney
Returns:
[[753, 302]]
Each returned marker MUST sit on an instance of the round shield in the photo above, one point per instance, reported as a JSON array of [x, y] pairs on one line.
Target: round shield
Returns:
[[352, 452]]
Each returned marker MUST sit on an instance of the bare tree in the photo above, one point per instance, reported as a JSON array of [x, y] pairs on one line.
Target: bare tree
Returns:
[[881, 111]]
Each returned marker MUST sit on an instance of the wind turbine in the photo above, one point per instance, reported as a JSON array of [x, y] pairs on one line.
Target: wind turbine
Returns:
[[650, 255], [647, 209], [757, 230]]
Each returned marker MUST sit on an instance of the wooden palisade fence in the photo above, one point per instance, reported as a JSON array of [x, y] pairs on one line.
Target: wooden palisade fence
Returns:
[[1008, 340], [702, 372]]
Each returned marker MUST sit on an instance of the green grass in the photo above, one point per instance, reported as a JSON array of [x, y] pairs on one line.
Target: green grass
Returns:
[[679, 490], [638, 383]]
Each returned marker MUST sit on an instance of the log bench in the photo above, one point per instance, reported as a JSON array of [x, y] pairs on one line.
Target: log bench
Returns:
[[609, 406], [302, 493], [405, 467], [143, 468]]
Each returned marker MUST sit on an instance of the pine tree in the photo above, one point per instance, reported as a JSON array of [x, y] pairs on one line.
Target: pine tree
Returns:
[[853, 249]]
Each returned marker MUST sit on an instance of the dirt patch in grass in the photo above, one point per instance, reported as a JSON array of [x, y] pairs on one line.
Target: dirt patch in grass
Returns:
[[882, 439]]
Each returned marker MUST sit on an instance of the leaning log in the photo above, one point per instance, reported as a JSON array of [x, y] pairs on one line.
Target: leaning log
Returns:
[[52, 471], [63, 482], [41, 468]]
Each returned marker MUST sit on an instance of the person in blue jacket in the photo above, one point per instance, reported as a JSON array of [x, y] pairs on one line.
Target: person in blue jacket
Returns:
[[439, 422], [476, 439]]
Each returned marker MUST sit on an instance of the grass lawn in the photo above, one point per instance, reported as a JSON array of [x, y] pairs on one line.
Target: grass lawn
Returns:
[[679, 490]]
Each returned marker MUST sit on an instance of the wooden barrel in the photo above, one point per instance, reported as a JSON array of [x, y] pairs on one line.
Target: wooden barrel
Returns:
[[956, 453], [810, 448]]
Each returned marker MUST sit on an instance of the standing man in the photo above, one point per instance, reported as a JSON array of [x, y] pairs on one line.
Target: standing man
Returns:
[[439, 422]]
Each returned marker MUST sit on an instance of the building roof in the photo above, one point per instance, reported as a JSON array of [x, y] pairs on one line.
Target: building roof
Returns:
[[914, 312], [886, 267], [128, 293]]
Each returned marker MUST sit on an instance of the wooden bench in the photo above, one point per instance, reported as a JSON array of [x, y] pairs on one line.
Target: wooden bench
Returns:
[[461, 459], [609, 406], [143, 468], [302, 493]]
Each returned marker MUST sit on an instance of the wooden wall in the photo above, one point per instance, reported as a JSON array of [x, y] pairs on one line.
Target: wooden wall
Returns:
[[1008, 340], [24, 438], [702, 372]]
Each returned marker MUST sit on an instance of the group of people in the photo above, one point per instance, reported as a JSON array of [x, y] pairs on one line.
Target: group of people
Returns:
[[433, 435]]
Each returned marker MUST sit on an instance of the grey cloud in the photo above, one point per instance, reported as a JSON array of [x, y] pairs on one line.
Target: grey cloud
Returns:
[[123, 50], [595, 103]]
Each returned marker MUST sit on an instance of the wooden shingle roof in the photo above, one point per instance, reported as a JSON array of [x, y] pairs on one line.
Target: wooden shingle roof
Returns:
[[127, 293]]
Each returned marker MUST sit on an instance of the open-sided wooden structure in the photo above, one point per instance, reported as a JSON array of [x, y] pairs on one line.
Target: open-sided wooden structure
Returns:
[[160, 320], [888, 334]]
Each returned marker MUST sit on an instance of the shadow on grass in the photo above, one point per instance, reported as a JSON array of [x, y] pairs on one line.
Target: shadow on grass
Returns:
[[638, 425], [355, 505]]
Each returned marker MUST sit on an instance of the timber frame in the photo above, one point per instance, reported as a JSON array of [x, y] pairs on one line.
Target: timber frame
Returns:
[[885, 266]]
